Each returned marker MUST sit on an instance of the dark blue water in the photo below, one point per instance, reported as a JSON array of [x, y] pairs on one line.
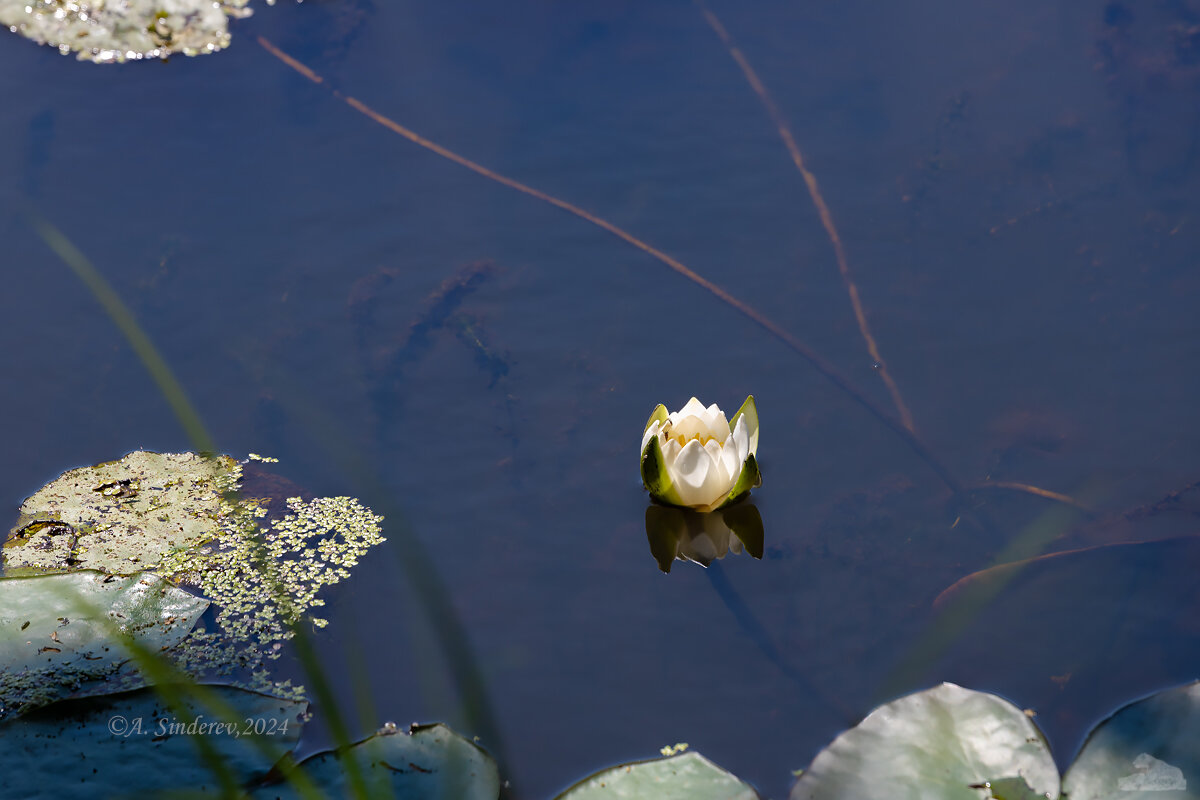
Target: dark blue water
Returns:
[[1016, 188]]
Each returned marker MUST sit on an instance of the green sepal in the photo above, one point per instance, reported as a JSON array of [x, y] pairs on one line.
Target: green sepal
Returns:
[[750, 412], [660, 415], [654, 474], [749, 479]]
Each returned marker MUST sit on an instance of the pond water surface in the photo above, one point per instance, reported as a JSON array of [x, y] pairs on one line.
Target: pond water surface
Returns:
[[1015, 186]]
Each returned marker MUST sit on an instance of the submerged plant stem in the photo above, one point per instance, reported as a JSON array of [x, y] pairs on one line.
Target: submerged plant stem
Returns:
[[901, 427], [820, 364], [814, 191], [1036, 491]]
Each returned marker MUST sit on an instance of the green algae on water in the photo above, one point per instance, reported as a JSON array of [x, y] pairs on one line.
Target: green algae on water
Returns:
[[179, 516]]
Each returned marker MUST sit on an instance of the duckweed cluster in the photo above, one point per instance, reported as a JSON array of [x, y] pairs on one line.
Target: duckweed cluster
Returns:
[[264, 580], [182, 516]]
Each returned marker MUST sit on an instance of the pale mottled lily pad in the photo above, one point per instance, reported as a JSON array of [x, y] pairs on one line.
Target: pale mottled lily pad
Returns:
[[121, 517], [52, 644], [687, 776], [1149, 750], [133, 745], [945, 743], [430, 761], [108, 31], [181, 516]]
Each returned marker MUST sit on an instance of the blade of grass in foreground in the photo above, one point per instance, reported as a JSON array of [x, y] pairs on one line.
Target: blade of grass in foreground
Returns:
[[953, 618], [176, 397], [176, 688], [170, 387], [414, 560]]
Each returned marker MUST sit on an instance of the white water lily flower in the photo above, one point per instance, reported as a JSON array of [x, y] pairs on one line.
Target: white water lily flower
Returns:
[[696, 458]]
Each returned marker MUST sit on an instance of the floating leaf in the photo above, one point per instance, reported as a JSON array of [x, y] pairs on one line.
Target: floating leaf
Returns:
[[179, 514], [944, 743], [131, 744], [129, 30], [123, 516], [1148, 750], [687, 776], [52, 646], [431, 761]]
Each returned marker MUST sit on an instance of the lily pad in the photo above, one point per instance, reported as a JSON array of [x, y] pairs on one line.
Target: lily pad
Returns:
[[430, 761], [121, 517], [52, 646], [1149, 749], [944, 743], [129, 30], [132, 744], [687, 776], [180, 515]]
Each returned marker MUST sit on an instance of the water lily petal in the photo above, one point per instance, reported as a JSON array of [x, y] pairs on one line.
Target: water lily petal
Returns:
[[749, 412], [717, 424], [696, 477], [725, 476], [690, 427], [730, 461], [692, 408], [741, 439], [670, 452]]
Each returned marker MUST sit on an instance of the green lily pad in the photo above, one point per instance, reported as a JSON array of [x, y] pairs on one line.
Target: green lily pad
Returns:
[[944, 743], [52, 645], [132, 745], [687, 776], [179, 515], [1148, 750], [129, 30], [430, 761], [121, 517]]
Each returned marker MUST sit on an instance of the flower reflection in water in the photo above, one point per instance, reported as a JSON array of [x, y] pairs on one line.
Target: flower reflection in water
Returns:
[[702, 537]]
